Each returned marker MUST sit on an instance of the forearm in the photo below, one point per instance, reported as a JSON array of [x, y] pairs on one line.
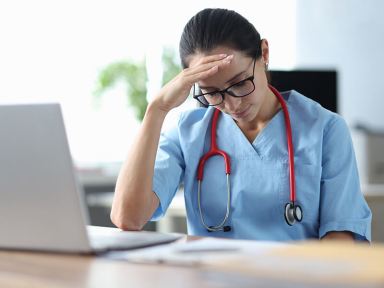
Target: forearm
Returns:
[[134, 201], [338, 235]]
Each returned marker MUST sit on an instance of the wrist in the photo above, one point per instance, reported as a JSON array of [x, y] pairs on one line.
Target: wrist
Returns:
[[154, 107]]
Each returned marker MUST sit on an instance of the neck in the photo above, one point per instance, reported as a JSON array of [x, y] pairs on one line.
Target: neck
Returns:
[[266, 112], [269, 109]]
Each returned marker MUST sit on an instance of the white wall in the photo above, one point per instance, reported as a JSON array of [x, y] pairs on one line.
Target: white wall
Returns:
[[54, 50], [347, 35]]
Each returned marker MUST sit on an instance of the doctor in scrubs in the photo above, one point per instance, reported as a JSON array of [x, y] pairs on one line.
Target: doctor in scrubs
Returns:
[[225, 63]]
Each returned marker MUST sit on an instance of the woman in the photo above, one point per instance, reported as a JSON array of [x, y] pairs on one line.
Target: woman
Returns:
[[224, 62]]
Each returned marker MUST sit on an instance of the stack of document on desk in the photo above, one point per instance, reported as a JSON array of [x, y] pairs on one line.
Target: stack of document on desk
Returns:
[[338, 264], [197, 252]]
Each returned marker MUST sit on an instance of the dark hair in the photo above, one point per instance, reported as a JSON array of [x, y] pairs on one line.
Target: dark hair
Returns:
[[219, 27]]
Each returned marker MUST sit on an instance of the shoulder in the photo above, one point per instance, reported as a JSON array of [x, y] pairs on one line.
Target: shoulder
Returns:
[[300, 103], [193, 125], [195, 116], [309, 112]]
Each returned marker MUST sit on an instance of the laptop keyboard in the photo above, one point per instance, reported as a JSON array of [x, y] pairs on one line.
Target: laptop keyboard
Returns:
[[114, 239]]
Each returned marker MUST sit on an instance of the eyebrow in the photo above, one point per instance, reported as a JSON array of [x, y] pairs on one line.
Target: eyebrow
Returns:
[[230, 80]]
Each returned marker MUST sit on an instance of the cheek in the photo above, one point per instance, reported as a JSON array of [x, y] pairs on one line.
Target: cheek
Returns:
[[261, 83], [261, 90], [256, 98]]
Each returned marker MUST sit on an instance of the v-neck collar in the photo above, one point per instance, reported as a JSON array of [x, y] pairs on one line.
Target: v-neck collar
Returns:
[[265, 138]]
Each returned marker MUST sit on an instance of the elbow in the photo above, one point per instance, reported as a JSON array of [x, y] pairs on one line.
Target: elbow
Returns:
[[126, 223], [130, 211]]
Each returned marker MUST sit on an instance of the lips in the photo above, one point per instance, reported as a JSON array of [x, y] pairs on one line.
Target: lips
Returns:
[[240, 114]]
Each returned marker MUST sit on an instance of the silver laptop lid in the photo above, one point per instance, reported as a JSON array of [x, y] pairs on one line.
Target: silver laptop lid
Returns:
[[40, 204]]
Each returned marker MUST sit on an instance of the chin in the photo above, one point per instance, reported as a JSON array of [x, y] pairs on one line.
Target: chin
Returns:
[[248, 116]]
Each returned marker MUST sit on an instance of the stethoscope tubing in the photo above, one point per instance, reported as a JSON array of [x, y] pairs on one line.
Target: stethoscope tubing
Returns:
[[288, 130], [221, 225], [214, 151]]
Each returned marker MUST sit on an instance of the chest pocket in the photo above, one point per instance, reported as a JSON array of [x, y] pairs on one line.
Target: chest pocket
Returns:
[[307, 178]]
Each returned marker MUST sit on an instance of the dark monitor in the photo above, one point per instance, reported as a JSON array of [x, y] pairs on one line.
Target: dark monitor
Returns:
[[320, 86]]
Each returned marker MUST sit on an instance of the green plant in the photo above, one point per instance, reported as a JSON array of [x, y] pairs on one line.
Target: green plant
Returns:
[[134, 74]]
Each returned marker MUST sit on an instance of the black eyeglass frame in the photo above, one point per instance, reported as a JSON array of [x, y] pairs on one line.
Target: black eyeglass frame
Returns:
[[224, 91]]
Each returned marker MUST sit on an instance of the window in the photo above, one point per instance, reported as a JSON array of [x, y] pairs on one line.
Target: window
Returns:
[[54, 50]]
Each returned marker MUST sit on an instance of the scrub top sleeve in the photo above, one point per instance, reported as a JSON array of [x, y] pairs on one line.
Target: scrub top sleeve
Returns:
[[168, 170], [342, 205]]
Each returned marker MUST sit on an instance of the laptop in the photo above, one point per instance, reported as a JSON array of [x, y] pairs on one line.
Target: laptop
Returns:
[[41, 202]]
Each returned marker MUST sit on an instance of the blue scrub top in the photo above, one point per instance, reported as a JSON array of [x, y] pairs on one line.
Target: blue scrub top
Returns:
[[327, 181]]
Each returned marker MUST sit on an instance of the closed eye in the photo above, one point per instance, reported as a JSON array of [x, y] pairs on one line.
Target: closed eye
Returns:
[[242, 83], [212, 95]]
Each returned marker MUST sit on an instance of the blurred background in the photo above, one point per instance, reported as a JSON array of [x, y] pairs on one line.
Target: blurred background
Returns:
[[103, 60]]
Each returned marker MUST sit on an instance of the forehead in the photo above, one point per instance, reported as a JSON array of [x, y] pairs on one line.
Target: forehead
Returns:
[[239, 63], [193, 59]]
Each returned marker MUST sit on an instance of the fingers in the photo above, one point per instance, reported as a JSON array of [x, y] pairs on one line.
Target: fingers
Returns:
[[203, 74], [177, 90], [209, 61], [212, 58], [208, 66]]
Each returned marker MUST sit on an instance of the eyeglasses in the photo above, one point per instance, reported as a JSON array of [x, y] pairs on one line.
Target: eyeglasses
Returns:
[[239, 89]]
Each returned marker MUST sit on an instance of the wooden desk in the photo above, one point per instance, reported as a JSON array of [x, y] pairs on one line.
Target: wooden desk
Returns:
[[311, 264], [19, 269]]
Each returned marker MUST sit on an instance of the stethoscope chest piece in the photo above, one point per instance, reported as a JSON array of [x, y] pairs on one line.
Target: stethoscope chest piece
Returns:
[[293, 213]]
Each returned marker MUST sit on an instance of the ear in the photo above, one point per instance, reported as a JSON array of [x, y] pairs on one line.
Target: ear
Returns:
[[265, 51]]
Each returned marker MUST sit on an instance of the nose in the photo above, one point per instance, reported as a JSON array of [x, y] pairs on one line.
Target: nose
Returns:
[[232, 103]]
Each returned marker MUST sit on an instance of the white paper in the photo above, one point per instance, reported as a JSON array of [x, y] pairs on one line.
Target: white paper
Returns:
[[197, 252]]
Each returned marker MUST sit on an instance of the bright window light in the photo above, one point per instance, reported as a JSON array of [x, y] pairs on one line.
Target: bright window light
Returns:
[[55, 50]]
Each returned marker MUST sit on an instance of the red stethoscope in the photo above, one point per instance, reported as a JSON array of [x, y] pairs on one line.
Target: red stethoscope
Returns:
[[293, 211]]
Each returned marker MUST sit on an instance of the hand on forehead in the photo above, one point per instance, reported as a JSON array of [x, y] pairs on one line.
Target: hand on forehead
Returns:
[[239, 63]]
